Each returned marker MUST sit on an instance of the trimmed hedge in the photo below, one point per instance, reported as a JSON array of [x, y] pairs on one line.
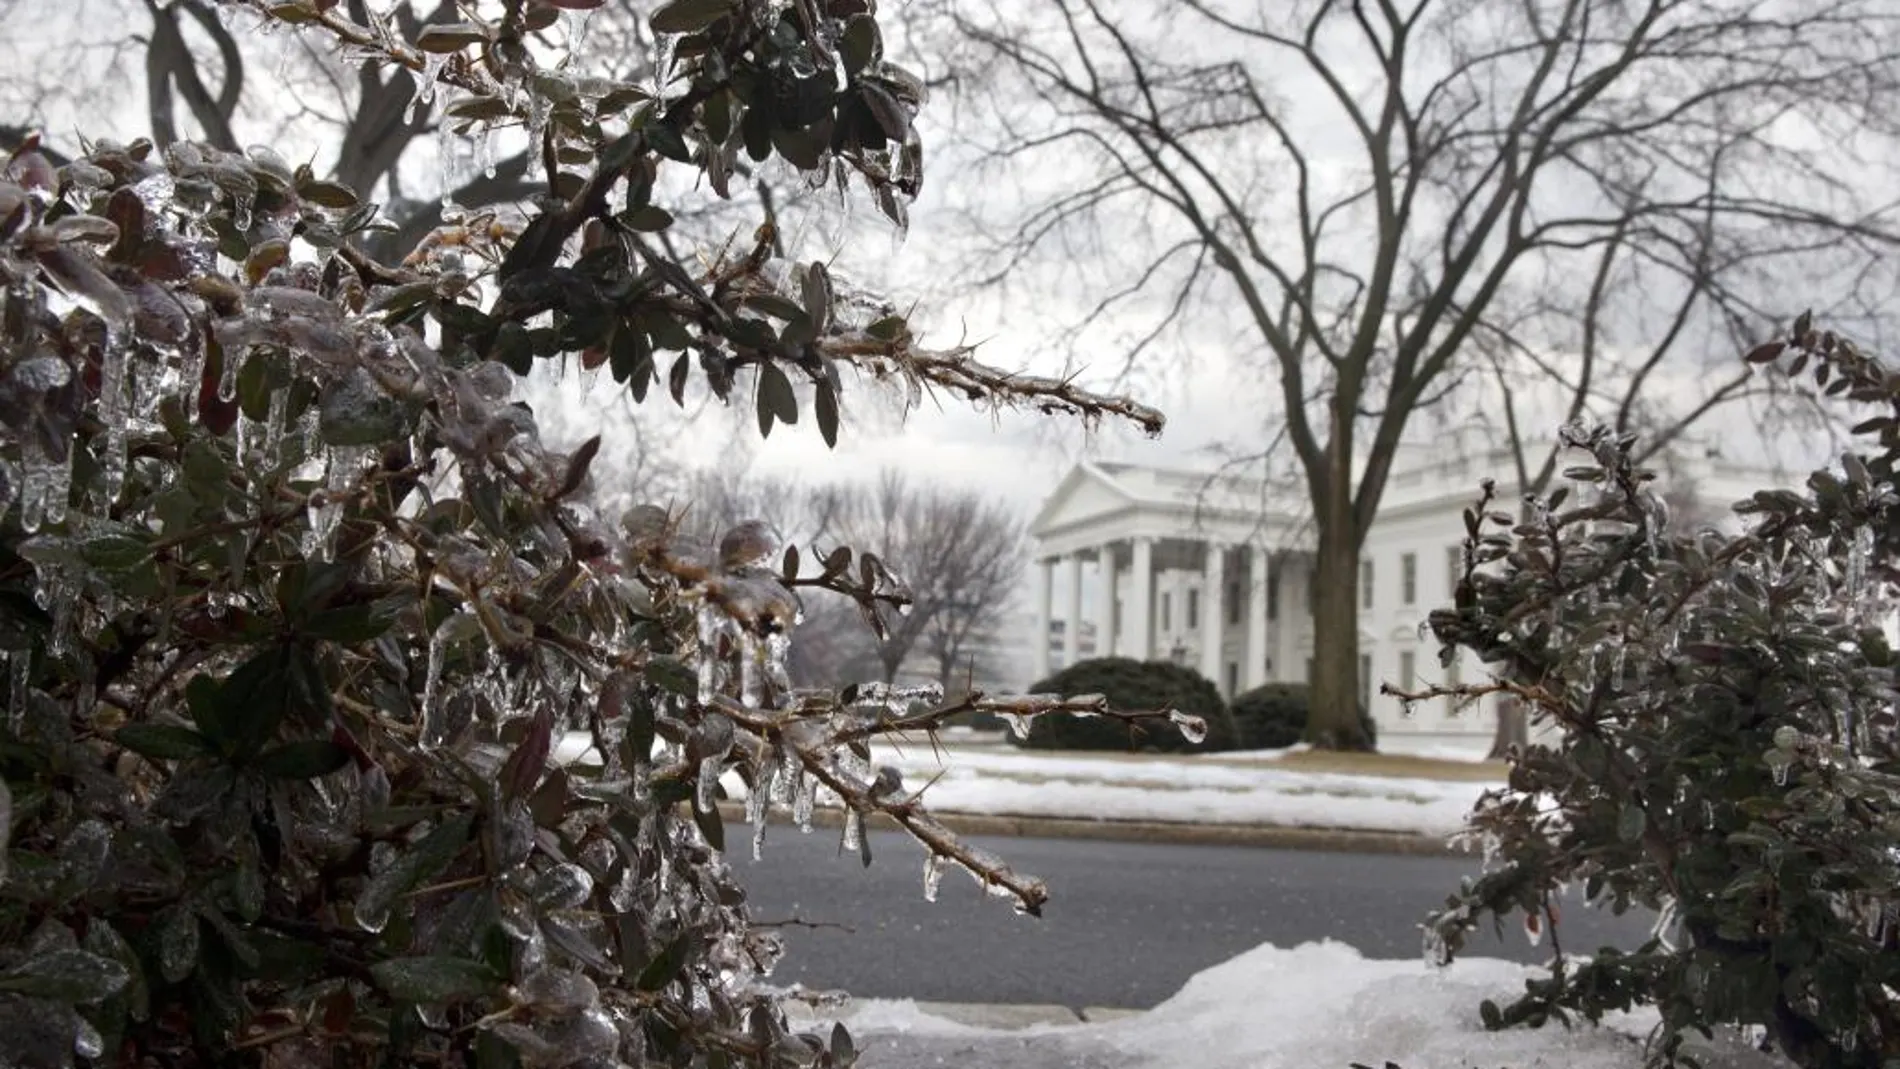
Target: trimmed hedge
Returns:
[[1131, 685], [1273, 716]]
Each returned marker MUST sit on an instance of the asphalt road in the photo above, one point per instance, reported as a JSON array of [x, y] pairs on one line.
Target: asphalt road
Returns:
[[1125, 926]]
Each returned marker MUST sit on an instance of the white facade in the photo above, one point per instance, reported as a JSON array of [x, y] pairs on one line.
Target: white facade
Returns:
[[1216, 573]]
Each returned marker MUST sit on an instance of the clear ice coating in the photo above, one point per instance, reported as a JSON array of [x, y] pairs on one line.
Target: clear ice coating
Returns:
[[1193, 728], [933, 876]]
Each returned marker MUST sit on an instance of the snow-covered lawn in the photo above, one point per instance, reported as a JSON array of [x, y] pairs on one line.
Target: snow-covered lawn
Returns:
[[1316, 1006], [1008, 782]]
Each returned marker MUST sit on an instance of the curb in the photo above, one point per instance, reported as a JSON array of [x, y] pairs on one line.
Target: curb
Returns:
[[995, 1016], [1281, 837]]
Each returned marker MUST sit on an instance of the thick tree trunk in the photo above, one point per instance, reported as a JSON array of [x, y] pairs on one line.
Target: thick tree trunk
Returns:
[[1333, 722], [1513, 729]]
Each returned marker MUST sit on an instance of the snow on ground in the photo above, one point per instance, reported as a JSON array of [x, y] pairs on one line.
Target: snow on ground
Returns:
[[1312, 1006], [1008, 782]]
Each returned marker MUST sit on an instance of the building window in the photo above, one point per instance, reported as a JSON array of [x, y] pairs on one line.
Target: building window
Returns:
[[1408, 669], [1194, 608], [1118, 616], [1365, 681], [1233, 679], [1408, 579], [1365, 583], [1233, 603], [1167, 612], [1454, 569], [1273, 594]]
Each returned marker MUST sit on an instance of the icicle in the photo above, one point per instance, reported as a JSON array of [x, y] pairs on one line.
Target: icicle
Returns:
[[228, 374], [1018, 725], [708, 782], [274, 422], [35, 483], [1437, 953], [434, 714], [19, 674], [751, 678], [59, 480], [853, 829], [803, 801], [1857, 557], [933, 877], [778, 648], [112, 412]]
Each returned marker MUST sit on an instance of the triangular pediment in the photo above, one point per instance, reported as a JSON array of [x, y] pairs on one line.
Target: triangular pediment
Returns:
[[1086, 492]]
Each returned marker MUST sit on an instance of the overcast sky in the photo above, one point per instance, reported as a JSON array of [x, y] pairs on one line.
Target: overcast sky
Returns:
[[1218, 395]]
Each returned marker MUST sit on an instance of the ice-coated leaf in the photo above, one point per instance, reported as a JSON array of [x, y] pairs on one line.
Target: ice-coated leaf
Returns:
[[178, 943], [164, 742], [305, 759], [66, 976], [423, 862], [687, 16], [432, 980]]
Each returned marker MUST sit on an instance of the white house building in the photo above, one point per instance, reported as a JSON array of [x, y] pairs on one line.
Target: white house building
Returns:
[[1216, 572]]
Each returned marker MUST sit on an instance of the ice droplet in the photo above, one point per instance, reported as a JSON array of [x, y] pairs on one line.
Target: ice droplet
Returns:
[[1193, 728], [564, 886], [87, 1042], [705, 789], [853, 829], [1018, 725], [933, 877], [228, 374]]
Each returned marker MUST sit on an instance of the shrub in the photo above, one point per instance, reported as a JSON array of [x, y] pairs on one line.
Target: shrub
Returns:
[[296, 603], [1129, 684], [1273, 716], [1725, 749]]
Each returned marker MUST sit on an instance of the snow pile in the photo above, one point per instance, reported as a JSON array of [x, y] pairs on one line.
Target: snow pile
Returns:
[[1181, 790], [1315, 1006]]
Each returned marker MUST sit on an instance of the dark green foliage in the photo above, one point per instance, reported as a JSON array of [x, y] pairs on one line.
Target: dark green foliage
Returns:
[[1726, 747], [296, 605], [1273, 716], [1135, 686]]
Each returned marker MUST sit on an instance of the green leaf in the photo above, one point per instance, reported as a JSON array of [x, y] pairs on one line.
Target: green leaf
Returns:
[[648, 218], [328, 194], [689, 16], [306, 759], [443, 38], [427, 860], [116, 552], [67, 976], [355, 624], [665, 966], [860, 44], [825, 407], [163, 742], [712, 826], [1630, 822], [433, 980], [776, 399]]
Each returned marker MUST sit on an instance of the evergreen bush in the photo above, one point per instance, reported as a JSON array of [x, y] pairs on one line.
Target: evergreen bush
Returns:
[[1272, 716], [1128, 684], [296, 604], [1725, 746]]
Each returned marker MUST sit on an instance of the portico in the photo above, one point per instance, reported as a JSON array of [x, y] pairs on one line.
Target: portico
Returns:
[[1167, 565]]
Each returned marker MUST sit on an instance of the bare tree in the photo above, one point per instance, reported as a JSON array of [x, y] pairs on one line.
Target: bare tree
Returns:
[[960, 554], [1429, 171]]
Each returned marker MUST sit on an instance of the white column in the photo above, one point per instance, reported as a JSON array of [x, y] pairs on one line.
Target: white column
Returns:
[[1072, 619], [1214, 617], [1141, 607], [1254, 672], [1045, 597], [1105, 601]]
